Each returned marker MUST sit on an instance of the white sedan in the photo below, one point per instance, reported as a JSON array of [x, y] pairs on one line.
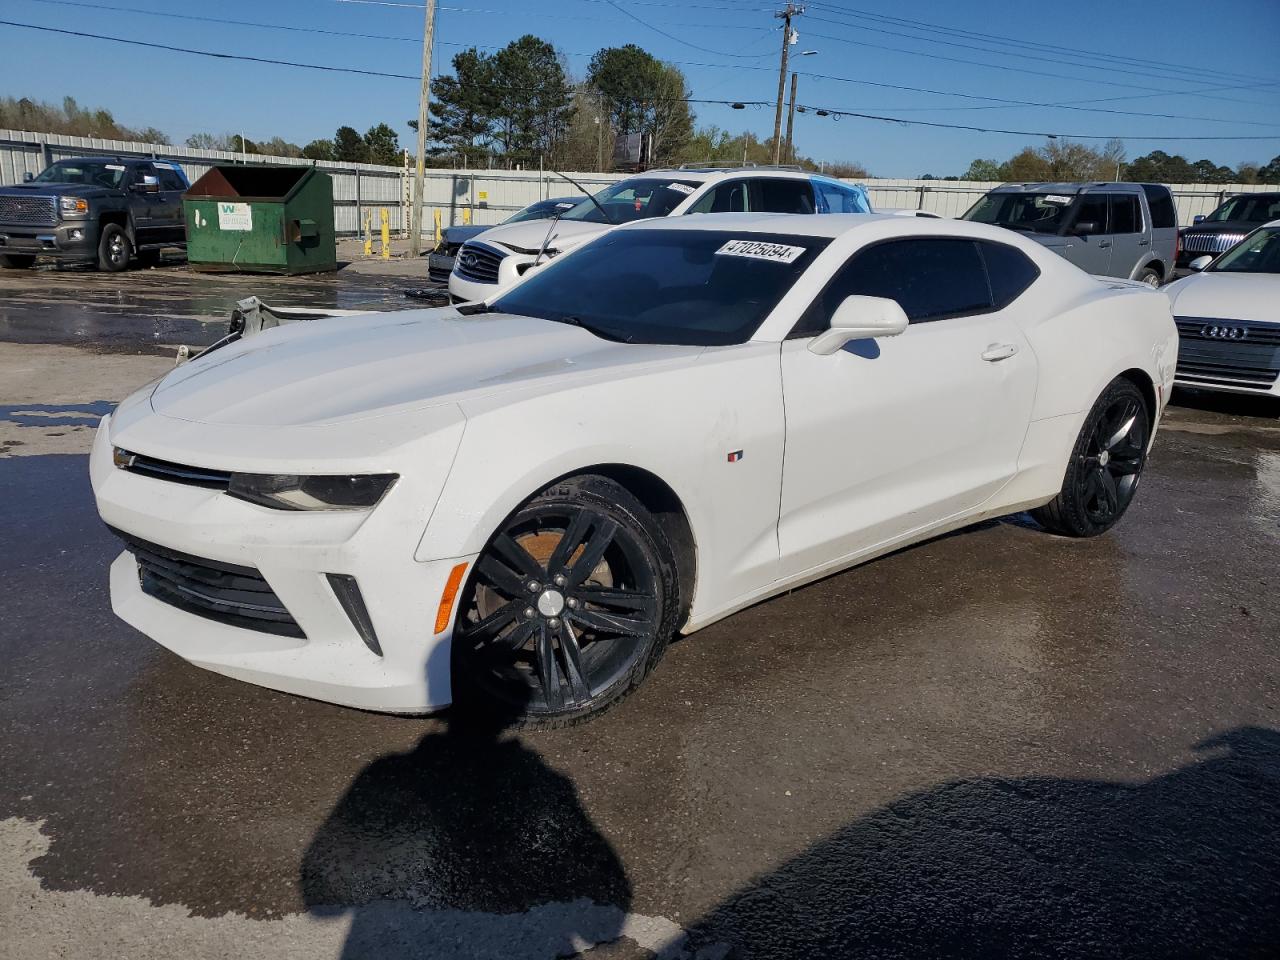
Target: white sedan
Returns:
[[1228, 317], [518, 503]]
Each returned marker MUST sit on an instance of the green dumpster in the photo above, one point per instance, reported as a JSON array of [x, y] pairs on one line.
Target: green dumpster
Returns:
[[261, 219]]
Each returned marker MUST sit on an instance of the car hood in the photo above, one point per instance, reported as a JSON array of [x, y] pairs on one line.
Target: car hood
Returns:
[[57, 190], [351, 368], [1228, 296], [463, 233], [530, 234]]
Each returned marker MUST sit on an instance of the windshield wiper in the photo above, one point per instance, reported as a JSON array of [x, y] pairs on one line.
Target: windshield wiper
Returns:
[[603, 212], [590, 328], [1014, 226]]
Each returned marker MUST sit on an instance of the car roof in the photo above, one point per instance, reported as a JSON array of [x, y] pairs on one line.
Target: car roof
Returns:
[[1069, 188], [708, 175], [820, 224]]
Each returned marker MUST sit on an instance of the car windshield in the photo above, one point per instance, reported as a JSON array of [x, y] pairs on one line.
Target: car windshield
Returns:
[[1031, 212], [97, 173], [707, 287], [539, 211], [634, 199], [1257, 253], [1248, 209]]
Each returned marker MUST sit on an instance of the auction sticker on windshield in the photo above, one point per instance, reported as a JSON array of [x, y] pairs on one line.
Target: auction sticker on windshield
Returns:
[[759, 250], [680, 188]]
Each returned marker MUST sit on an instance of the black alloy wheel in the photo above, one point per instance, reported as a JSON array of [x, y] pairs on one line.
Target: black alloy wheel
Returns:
[[1106, 465], [568, 607]]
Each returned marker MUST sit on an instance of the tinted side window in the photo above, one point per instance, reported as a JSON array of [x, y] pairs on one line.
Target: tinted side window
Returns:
[[1093, 209], [1125, 216], [728, 197], [1009, 271], [783, 196], [1160, 202], [929, 278], [169, 179]]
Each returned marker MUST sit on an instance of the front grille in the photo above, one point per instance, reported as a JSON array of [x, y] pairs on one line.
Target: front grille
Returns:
[[478, 263], [1238, 353], [174, 472], [230, 594], [29, 211], [1210, 242]]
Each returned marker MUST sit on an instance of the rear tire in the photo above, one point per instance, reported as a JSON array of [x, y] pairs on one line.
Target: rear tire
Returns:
[[16, 261], [1151, 277], [566, 611], [1105, 467], [114, 248]]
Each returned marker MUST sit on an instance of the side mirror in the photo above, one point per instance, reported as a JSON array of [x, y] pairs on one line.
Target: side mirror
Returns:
[[860, 318], [28, 177], [1199, 263], [1084, 228], [1198, 218]]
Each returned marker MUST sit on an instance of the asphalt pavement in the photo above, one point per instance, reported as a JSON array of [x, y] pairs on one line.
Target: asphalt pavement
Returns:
[[999, 743]]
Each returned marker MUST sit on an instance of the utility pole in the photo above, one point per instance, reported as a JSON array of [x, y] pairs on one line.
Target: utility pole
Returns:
[[424, 103], [791, 119], [785, 16]]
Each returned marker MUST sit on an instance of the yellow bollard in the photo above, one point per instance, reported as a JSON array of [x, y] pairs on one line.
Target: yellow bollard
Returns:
[[466, 215], [386, 234], [368, 234], [438, 231]]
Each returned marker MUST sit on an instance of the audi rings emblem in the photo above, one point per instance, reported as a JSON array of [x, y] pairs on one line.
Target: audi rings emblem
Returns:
[[1213, 331]]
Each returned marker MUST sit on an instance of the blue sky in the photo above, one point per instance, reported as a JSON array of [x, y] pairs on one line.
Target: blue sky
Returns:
[[727, 49]]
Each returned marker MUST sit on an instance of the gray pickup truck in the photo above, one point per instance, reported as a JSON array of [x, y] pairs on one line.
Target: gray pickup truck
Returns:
[[1127, 230], [102, 209]]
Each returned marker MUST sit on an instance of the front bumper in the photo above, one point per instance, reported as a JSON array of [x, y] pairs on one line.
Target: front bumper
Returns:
[[293, 552], [70, 239]]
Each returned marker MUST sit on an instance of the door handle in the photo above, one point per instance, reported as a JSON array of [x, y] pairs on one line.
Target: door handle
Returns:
[[1103, 244], [1144, 243], [999, 351]]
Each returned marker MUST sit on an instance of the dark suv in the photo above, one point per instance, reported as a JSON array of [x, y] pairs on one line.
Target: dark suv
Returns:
[[1233, 219], [102, 209]]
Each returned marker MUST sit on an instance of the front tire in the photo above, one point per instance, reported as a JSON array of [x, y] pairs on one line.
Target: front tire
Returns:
[[1105, 467], [568, 608], [114, 248], [16, 261]]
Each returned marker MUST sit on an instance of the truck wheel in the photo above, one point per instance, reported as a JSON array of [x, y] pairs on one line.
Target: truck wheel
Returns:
[[1150, 277], [16, 261], [114, 248]]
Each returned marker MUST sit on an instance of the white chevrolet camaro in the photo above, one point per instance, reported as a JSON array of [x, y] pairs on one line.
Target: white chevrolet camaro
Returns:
[[518, 503]]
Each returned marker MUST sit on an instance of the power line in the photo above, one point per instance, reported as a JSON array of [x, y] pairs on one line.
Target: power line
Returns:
[[929, 27], [672, 36], [999, 66], [834, 111]]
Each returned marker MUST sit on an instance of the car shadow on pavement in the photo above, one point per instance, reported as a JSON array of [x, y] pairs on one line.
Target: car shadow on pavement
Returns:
[[1184, 865], [469, 845]]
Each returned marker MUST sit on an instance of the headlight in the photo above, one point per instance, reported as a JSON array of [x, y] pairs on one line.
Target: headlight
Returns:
[[311, 493], [73, 205]]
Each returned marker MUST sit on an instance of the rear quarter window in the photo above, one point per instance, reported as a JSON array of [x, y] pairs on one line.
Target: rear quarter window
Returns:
[[1160, 202], [1009, 271]]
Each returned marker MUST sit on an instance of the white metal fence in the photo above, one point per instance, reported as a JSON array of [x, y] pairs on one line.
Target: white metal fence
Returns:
[[488, 196]]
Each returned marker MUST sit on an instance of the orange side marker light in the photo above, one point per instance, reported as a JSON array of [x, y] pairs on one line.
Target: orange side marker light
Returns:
[[445, 612]]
